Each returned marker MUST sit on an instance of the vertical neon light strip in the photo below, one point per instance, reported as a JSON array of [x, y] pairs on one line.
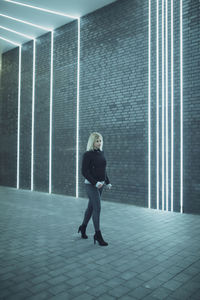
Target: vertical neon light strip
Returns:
[[149, 113], [50, 117], [166, 101], [33, 115], [181, 106], [51, 89], [157, 100], [19, 110], [77, 112], [172, 107], [163, 111]]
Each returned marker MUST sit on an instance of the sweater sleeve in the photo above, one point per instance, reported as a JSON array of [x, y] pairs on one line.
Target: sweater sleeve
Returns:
[[86, 168], [107, 181]]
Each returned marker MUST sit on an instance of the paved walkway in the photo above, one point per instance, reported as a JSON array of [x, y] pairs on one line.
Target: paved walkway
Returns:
[[151, 254]]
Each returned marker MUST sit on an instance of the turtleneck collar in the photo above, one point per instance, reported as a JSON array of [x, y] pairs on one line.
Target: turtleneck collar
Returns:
[[97, 150]]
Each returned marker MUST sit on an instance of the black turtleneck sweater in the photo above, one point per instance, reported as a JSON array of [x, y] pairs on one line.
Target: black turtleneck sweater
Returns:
[[94, 166]]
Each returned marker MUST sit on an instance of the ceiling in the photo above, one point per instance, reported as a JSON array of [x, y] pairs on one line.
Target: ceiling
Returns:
[[12, 10]]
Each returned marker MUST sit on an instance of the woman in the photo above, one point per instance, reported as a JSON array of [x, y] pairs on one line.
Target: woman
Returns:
[[94, 171]]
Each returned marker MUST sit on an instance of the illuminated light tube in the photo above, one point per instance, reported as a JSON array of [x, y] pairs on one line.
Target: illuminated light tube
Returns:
[[157, 101], [166, 101], [149, 112], [16, 32], [18, 117], [51, 103], [172, 108], [27, 23], [33, 115], [51, 93], [181, 107], [163, 111], [9, 41], [77, 113], [43, 9]]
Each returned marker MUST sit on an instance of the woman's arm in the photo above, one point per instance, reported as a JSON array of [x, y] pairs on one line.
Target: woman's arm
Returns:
[[86, 168], [107, 181]]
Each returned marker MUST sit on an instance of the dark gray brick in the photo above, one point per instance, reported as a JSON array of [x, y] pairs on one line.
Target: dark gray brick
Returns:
[[113, 101]]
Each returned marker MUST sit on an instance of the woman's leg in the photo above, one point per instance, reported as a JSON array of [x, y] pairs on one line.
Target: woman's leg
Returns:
[[94, 195], [88, 213]]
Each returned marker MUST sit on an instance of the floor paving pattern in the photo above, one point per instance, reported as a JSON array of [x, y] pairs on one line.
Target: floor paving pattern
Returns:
[[151, 254]]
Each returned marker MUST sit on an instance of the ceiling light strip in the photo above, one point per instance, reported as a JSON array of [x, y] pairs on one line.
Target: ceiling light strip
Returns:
[[27, 23], [43, 9], [16, 32], [9, 41]]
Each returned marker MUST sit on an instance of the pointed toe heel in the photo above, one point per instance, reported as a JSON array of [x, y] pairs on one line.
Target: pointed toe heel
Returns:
[[82, 229], [98, 237]]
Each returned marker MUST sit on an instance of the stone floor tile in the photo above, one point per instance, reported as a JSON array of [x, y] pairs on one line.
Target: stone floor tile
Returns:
[[133, 283], [98, 290], [140, 292], [161, 293], [172, 284], [119, 291], [105, 297], [84, 296], [61, 296], [43, 257]]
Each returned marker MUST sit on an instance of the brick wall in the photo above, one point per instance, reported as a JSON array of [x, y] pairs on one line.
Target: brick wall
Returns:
[[114, 93], [42, 112], [26, 116], [64, 110], [8, 119], [113, 101], [191, 108]]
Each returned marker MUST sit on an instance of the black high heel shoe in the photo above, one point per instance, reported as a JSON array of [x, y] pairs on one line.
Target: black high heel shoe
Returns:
[[98, 237], [82, 229]]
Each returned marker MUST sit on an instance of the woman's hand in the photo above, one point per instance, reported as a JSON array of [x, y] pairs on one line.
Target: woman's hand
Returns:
[[109, 186], [99, 185]]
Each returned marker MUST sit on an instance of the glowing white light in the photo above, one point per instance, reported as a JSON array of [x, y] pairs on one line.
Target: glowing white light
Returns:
[[172, 108], [163, 111], [51, 103], [18, 117], [51, 91], [149, 113], [16, 32], [27, 23], [33, 115], [166, 99], [77, 113], [9, 41], [181, 107], [157, 102], [43, 9]]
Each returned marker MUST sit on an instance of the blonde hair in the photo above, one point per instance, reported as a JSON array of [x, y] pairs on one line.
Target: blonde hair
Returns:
[[92, 138]]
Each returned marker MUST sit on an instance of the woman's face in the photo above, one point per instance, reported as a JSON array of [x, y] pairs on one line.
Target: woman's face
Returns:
[[97, 144]]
